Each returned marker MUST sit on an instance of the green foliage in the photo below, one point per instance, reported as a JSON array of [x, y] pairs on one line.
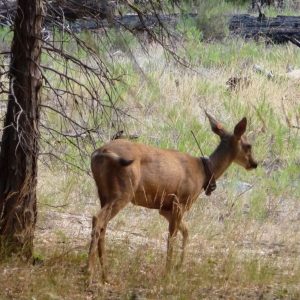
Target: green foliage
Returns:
[[112, 40], [259, 271], [6, 35], [238, 2], [212, 19], [291, 8], [258, 209]]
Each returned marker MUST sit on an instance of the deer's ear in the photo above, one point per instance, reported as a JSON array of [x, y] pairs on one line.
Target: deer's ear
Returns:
[[216, 126], [240, 128]]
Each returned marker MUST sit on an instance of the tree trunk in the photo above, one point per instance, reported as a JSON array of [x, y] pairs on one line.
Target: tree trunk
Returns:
[[19, 147]]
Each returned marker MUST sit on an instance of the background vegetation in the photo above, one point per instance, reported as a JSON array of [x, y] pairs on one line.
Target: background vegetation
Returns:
[[245, 238]]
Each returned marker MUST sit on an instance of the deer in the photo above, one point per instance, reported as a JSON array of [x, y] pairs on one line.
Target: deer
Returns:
[[167, 180]]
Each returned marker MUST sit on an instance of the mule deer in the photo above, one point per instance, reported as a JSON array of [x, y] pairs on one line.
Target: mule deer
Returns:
[[166, 180]]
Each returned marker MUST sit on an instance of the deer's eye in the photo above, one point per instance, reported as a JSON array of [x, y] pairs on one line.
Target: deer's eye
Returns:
[[247, 147]]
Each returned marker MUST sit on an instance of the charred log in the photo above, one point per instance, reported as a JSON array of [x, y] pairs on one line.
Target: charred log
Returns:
[[280, 29]]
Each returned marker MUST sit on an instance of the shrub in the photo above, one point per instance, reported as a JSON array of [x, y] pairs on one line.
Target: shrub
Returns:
[[212, 19]]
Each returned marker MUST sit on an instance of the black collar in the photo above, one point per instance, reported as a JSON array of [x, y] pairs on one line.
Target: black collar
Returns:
[[210, 180]]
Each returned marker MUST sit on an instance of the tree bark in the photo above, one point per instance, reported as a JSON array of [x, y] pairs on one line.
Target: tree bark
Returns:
[[19, 147]]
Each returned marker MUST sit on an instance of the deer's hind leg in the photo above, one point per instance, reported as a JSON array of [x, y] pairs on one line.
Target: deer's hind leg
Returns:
[[99, 225], [108, 211]]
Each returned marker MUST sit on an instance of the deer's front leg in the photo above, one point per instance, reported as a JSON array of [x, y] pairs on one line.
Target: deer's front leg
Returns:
[[174, 217], [185, 235]]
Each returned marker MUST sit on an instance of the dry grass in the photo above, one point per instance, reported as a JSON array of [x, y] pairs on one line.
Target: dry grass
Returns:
[[231, 255], [244, 239]]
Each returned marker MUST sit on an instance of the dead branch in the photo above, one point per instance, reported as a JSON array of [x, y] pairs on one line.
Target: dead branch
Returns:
[[81, 95]]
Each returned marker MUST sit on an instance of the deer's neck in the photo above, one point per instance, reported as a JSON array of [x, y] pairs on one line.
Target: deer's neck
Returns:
[[221, 159]]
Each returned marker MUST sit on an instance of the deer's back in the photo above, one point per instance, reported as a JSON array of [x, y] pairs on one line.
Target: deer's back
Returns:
[[155, 177]]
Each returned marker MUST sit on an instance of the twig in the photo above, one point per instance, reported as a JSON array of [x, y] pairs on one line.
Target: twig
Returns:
[[197, 142], [260, 117], [54, 206]]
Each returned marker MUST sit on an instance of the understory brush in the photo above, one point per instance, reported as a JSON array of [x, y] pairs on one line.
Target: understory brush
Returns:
[[244, 239]]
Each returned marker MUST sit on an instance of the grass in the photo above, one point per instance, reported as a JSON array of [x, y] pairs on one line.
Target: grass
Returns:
[[244, 239], [215, 266]]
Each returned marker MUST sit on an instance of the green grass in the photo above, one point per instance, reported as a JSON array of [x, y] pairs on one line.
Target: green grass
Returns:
[[6, 36], [289, 10], [243, 242]]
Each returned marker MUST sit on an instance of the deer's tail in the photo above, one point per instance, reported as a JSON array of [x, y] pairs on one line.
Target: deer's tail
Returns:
[[113, 156]]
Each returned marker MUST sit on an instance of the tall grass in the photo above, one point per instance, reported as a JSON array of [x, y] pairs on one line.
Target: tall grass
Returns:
[[244, 239]]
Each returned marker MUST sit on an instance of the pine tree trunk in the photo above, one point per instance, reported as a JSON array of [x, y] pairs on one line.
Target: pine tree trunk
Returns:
[[19, 147]]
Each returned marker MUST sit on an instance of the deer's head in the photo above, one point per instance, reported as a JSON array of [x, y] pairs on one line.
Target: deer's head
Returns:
[[235, 144]]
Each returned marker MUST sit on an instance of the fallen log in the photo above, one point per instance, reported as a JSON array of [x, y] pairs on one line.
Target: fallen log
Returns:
[[131, 21], [280, 29], [90, 16]]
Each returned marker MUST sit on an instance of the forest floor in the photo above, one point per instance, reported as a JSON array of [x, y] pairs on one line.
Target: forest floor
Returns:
[[229, 256], [244, 239]]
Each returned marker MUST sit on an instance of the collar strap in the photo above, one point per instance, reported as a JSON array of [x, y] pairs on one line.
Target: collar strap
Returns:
[[210, 182]]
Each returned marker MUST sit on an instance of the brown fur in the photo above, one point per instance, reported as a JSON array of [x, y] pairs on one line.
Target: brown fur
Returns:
[[166, 180]]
